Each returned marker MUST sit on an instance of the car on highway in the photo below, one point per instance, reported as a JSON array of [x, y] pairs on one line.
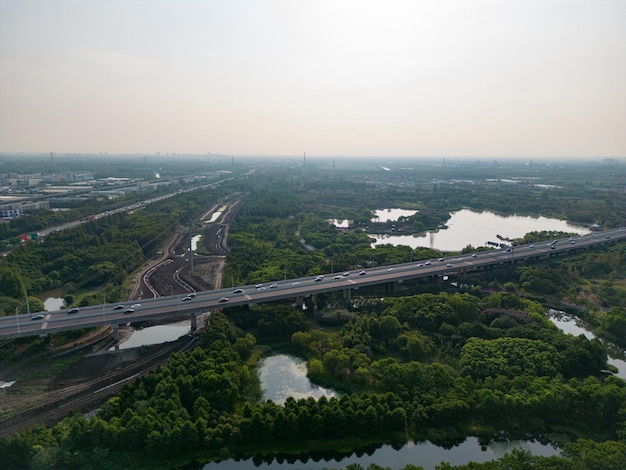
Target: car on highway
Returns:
[[118, 307], [362, 273], [186, 298], [337, 277], [223, 299], [295, 283], [273, 286], [136, 306], [389, 270], [449, 265], [319, 278], [238, 291], [440, 259], [73, 310], [129, 310], [259, 286], [427, 263], [39, 316], [192, 295], [347, 273], [474, 255]]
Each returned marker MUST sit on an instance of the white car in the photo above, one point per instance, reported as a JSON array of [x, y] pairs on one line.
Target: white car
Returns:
[[135, 306]]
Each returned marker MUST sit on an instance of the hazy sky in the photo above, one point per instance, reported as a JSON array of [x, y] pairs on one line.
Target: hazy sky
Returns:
[[326, 77]]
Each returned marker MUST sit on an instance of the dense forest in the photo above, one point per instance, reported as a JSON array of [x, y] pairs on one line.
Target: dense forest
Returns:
[[423, 362], [520, 377]]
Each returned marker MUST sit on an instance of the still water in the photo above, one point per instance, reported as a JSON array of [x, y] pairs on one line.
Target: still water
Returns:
[[391, 215], [53, 303], [467, 227], [156, 335], [194, 242], [282, 375], [424, 454], [574, 327]]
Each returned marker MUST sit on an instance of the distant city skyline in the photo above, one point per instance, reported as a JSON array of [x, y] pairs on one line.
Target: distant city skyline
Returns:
[[403, 78]]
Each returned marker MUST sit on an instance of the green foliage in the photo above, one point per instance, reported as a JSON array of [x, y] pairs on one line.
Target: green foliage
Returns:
[[509, 357]]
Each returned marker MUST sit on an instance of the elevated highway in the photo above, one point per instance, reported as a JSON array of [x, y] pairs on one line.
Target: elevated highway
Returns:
[[163, 307]]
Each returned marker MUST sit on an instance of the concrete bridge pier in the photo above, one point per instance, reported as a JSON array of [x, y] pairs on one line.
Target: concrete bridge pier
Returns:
[[194, 320], [116, 335], [347, 294]]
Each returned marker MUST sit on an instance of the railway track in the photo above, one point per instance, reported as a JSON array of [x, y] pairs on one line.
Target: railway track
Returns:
[[57, 404]]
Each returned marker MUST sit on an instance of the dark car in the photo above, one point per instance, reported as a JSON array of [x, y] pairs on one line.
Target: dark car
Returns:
[[37, 317], [118, 307], [129, 310], [238, 291], [223, 299], [74, 310]]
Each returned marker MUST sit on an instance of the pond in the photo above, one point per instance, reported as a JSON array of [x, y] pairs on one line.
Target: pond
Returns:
[[53, 303], [467, 227], [340, 223], [194, 242], [392, 215], [573, 326], [156, 335], [282, 375]]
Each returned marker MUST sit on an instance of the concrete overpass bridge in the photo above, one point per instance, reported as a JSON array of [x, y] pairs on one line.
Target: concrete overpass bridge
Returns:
[[44, 323]]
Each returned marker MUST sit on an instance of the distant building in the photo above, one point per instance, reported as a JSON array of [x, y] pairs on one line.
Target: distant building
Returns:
[[11, 211]]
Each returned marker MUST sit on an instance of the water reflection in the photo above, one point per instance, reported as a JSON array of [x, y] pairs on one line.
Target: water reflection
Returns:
[[53, 303], [424, 454], [194, 242], [573, 326], [467, 227], [339, 223], [284, 376], [384, 215], [156, 335]]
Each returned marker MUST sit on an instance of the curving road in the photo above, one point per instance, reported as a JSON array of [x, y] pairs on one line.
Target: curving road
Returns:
[[151, 309]]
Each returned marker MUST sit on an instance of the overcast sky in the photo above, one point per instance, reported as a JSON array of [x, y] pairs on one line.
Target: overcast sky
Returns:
[[492, 78]]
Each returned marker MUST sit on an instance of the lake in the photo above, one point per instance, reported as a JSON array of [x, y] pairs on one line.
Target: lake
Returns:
[[467, 227]]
